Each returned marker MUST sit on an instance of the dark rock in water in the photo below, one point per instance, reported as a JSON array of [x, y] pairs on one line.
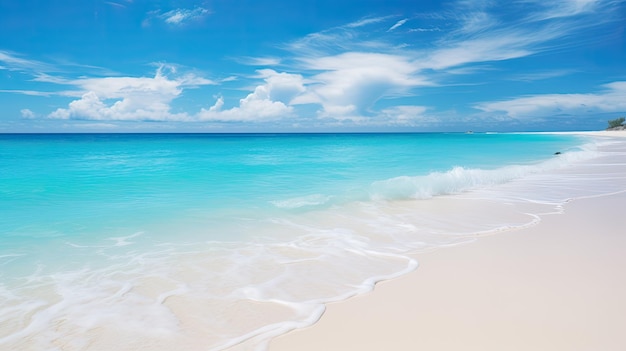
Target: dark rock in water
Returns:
[[557, 153]]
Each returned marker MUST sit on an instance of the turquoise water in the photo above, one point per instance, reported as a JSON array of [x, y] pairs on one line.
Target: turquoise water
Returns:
[[59, 185], [253, 231]]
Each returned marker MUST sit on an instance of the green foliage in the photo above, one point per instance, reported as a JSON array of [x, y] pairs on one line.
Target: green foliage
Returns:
[[616, 122]]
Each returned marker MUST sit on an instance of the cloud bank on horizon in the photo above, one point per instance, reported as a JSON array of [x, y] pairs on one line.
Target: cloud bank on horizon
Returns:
[[517, 65]]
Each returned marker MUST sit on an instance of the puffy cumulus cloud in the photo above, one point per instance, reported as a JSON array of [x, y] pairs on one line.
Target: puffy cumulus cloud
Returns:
[[150, 98], [283, 87], [611, 99], [128, 98], [352, 82], [269, 101], [28, 114], [253, 108], [91, 107]]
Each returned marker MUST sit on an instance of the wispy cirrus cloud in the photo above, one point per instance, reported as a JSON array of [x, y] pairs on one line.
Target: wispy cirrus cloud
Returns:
[[259, 61], [344, 38], [423, 30], [14, 62], [353, 66], [542, 75], [182, 16], [397, 25], [365, 22], [42, 71], [560, 9], [119, 4], [177, 17], [483, 34], [42, 93]]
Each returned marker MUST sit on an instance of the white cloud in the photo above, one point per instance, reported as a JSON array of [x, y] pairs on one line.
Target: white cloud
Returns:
[[283, 86], [182, 16], [46, 78], [476, 51], [350, 83], [41, 70], [28, 114], [534, 76], [28, 92], [348, 37], [482, 34], [344, 71], [115, 4], [176, 17], [560, 9], [611, 99], [351, 68], [476, 22], [255, 107], [259, 61], [434, 29], [128, 98], [228, 79], [365, 21], [269, 101], [397, 25], [13, 62], [498, 44], [91, 107]]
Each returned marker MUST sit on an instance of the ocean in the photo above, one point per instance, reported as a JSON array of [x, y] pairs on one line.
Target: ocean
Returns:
[[218, 241]]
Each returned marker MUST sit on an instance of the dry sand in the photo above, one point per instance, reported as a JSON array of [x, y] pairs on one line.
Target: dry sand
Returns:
[[559, 285]]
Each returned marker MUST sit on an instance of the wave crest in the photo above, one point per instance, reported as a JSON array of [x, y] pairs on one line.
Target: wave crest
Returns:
[[460, 179]]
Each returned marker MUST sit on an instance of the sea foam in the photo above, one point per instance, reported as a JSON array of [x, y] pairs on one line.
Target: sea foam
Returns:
[[460, 179]]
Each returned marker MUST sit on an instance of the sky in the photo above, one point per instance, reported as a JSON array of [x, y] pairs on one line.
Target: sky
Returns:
[[311, 65]]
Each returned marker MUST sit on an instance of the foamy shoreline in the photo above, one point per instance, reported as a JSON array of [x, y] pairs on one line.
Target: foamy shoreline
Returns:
[[146, 289], [553, 286]]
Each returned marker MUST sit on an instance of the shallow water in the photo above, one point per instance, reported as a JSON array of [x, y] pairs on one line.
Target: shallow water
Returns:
[[209, 241]]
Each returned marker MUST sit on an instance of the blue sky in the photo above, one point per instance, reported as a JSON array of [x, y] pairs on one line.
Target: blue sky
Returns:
[[300, 66]]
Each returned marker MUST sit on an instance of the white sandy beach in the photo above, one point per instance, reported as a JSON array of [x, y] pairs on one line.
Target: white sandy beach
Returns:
[[558, 285]]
